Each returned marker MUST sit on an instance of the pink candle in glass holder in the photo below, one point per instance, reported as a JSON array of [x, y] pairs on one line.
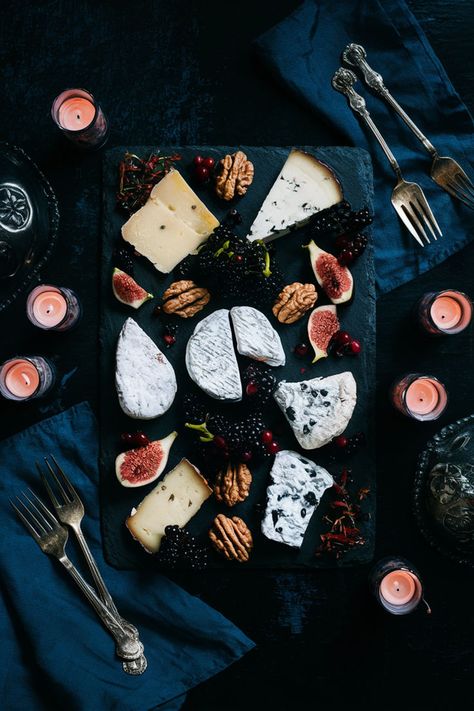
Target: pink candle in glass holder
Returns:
[[80, 118], [422, 397], [444, 312], [397, 586], [26, 377], [53, 308]]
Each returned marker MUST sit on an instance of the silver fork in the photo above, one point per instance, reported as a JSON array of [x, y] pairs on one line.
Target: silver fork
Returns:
[[52, 537], [408, 199], [445, 171], [70, 511]]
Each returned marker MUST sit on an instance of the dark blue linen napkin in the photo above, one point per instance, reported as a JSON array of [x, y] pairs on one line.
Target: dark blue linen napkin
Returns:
[[56, 654], [304, 50]]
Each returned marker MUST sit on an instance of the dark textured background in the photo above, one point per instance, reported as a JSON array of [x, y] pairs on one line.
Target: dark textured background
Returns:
[[183, 72]]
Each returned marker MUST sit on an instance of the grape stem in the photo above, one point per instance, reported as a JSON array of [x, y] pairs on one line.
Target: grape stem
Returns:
[[206, 436]]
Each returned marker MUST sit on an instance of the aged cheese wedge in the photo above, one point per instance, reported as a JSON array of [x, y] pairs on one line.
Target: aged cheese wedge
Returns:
[[210, 358], [174, 501], [304, 186], [256, 338], [144, 377], [172, 223]]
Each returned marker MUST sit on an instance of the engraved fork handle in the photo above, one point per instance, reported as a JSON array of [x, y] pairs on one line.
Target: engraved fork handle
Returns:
[[343, 81], [355, 55]]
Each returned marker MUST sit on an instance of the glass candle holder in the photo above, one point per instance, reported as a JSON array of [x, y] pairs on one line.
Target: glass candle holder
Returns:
[[26, 377], [80, 118], [422, 397], [444, 312], [396, 585], [53, 308]]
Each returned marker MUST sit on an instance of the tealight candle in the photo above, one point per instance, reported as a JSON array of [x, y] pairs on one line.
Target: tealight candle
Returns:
[[53, 308], [422, 397], [80, 118], [25, 378], [444, 312], [397, 586]]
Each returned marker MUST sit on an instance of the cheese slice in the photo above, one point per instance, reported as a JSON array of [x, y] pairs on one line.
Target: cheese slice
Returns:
[[172, 223], [174, 501], [303, 187]]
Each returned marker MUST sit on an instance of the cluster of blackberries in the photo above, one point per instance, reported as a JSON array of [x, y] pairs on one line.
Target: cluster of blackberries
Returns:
[[338, 220], [179, 549], [258, 384]]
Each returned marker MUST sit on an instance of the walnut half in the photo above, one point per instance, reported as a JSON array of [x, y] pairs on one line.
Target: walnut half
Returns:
[[293, 302], [233, 485], [183, 298], [234, 175], [232, 538]]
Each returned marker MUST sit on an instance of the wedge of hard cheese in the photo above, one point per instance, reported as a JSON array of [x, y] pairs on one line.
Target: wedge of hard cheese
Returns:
[[304, 186], [172, 223], [174, 501]]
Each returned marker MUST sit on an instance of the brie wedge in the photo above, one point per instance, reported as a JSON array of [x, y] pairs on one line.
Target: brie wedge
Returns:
[[304, 186], [256, 338]]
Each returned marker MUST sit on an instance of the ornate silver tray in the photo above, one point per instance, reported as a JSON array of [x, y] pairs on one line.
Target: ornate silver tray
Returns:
[[29, 220], [444, 491]]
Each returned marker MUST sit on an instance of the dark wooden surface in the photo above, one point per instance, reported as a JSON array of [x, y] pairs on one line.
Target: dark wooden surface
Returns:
[[183, 72]]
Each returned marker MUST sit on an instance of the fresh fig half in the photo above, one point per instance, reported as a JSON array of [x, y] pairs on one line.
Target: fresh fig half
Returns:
[[322, 325], [127, 291], [335, 279], [142, 465]]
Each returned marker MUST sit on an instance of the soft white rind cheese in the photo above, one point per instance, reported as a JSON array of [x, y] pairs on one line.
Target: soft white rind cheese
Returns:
[[303, 187], [318, 409], [144, 377], [296, 490], [210, 358], [172, 223], [256, 338], [173, 501]]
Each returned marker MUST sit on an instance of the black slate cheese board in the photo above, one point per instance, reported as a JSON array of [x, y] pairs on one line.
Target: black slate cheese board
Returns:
[[353, 168]]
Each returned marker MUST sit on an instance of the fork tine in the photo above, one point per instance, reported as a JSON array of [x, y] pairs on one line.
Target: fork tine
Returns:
[[420, 208], [466, 182], [418, 219], [49, 490], [429, 213], [449, 189], [45, 509], [43, 522], [26, 523], [70, 487], [53, 474], [404, 216], [461, 193]]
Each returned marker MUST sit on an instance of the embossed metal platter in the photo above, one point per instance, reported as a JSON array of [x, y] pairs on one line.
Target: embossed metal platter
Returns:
[[352, 166], [444, 491], [29, 220]]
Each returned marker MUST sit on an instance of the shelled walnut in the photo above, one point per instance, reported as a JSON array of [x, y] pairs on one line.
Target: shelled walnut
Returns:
[[293, 302], [232, 538], [234, 175], [184, 298], [233, 484]]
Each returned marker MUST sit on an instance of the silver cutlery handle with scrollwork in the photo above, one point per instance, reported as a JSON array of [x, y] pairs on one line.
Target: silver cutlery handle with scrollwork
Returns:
[[343, 81], [356, 56]]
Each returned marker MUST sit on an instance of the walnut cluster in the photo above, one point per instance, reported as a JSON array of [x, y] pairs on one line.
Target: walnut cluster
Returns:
[[232, 538], [293, 302], [233, 484], [234, 175], [183, 298]]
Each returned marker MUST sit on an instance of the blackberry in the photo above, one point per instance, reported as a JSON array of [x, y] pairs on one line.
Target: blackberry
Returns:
[[179, 549], [361, 218], [332, 220], [194, 410], [122, 258], [240, 434], [259, 383]]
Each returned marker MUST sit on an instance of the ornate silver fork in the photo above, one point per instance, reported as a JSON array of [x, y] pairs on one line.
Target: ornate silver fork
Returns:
[[70, 511], [408, 199], [52, 537], [445, 171]]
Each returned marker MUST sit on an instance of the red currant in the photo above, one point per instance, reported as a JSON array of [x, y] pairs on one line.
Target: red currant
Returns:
[[342, 338], [355, 347], [343, 242], [266, 436], [246, 456], [198, 160], [140, 439], [208, 163], [220, 442], [301, 350], [341, 441], [126, 438], [238, 258], [169, 339], [202, 173], [273, 447], [345, 257], [252, 388]]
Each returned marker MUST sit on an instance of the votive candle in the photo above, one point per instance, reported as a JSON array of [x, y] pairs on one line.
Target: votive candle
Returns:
[[80, 118], [53, 308], [444, 312], [397, 586], [422, 397], [26, 377]]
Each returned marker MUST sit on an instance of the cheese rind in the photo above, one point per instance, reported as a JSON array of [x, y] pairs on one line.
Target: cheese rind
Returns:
[[173, 501], [256, 338], [172, 223], [304, 186]]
